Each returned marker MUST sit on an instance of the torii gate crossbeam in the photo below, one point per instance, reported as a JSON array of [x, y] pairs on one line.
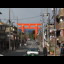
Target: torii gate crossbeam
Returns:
[[30, 27]]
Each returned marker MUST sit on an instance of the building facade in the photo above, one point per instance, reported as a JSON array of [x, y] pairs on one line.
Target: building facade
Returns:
[[5, 33], [60, 24]]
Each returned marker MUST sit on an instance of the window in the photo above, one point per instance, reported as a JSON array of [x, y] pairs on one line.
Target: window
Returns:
[[3, 27]]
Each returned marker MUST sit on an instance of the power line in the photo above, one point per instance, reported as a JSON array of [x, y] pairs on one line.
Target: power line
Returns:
[[13, 14], [23, 18]]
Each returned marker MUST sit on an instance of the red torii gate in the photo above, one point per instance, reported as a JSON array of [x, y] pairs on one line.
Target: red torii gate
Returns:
[[29, 27]]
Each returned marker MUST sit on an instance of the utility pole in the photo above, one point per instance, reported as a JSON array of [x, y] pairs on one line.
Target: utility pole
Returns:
[[43, 30], [43, 43], [43, 25], [55, 28], [9, 31], [48, 29], [17, 26], [54, 15]]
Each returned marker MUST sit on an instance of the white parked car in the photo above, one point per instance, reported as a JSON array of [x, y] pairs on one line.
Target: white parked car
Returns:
[[33, 52], [1, 55]]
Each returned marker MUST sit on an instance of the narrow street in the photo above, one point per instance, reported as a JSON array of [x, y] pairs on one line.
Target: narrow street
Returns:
[[19, 52], [22, 51]]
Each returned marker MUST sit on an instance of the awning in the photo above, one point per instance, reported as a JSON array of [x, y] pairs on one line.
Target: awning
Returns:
[[61, 38]]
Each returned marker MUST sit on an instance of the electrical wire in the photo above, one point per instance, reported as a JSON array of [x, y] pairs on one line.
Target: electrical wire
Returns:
[[23, 18]]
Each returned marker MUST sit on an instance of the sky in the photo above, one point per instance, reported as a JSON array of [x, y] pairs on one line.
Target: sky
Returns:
[[23, 13]]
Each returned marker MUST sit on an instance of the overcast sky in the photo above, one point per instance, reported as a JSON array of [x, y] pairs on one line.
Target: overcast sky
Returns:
[[23, 13]]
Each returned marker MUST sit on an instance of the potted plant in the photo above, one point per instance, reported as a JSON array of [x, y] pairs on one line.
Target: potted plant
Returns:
[[51, 51]]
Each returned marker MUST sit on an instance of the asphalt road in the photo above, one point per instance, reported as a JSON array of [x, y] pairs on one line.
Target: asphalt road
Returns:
[[21, 51]]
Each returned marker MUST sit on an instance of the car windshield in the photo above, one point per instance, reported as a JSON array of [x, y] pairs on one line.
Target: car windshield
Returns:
[[33, 49]]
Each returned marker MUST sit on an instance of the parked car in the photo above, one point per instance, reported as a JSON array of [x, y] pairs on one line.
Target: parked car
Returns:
[[33, 52], [1, 55]]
